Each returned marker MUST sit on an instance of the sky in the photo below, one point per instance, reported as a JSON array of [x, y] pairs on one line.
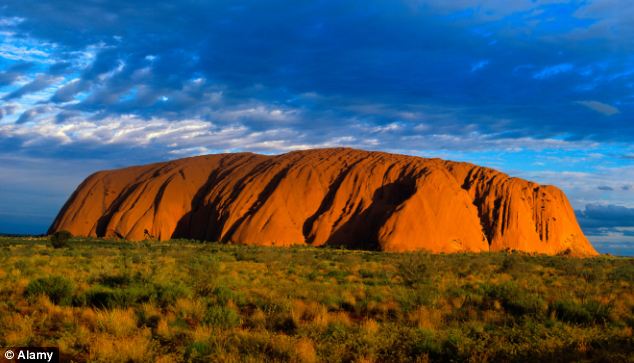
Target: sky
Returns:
[[542, 90]]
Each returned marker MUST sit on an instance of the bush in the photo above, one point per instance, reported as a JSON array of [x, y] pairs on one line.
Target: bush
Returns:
[[117, 295], [415, 268], [515, 300], [221, 317], [515, 265], [58, 289], [624, 272], [60, 239], [197, 351], [283, 322], [107, 298], [119, 280], [167, 294], [103, 298], [151, 321], [572, 312]]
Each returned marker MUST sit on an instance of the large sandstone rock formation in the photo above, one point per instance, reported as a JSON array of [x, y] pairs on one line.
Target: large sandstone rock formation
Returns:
[[360, 199]]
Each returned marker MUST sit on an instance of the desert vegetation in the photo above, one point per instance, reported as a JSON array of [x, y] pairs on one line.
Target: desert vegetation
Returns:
[[115, 301]]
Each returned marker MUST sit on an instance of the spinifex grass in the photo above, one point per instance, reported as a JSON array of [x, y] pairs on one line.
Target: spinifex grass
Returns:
[[187, 301]]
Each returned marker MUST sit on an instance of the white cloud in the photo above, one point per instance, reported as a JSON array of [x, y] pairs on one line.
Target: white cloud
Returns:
[[11, 21], [552, 71], [612, 19], [479, 65], [21, 47], [582, 187], [486, 9], [255, 112], [600, 107]]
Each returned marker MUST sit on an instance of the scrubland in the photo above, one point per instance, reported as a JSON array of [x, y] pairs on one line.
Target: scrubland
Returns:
[[116, 301]]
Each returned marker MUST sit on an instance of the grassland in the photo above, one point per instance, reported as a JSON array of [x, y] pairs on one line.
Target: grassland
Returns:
[[112, 301]]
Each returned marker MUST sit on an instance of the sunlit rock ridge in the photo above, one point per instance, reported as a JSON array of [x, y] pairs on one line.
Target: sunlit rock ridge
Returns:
[[358, 199]]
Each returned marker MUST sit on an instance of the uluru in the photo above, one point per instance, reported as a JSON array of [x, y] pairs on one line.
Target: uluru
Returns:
[[339, 196]]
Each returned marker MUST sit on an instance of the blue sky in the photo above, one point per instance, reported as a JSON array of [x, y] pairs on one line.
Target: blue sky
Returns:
[[542, 90]]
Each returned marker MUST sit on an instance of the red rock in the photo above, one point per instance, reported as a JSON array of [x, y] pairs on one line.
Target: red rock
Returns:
[[360, 199]]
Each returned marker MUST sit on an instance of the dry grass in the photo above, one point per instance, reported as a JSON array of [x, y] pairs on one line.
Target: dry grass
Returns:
[[186, 301], [108, 348]]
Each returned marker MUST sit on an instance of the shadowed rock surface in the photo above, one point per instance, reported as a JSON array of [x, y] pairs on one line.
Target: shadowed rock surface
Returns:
[[359, 199]]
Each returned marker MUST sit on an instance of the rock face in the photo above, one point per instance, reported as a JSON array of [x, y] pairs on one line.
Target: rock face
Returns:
[[359, 199]]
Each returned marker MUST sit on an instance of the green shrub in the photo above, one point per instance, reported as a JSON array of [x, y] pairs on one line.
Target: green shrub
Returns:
[[221, 317], [515, 300], [572, 312], [283, 322], [197, 351], [409, 345], [150, 321], [60, 239], [515, 265], [599, 313], [107, 298], [415, 268], [58, 289], [166, 295], [118, 292], [224, 295], [624, 272], [115, 280]]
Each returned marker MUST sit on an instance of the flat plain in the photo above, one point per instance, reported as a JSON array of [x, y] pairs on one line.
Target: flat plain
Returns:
[[117, 301]]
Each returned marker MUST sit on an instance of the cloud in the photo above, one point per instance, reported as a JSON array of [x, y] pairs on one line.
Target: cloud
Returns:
[[13, 73], [610, 19], [493, 82], [39, 83], [26, 204], [552, 71], [600, 107], [303, 49], [31, 114], [479, 65], [605, 188], [7, 110], [606, 216], [68, 91], [609, 227]]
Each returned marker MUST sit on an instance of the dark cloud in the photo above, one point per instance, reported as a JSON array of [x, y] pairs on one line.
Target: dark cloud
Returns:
[[277, 75], [605, 216], [605, 187], [609, 227], [7, 110], [388, 53], [69, 90], [65, 116], [38, 84], [59, 68], [13, 73], [30, 114]]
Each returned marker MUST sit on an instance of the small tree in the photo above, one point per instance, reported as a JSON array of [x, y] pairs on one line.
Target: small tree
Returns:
[[60, 239]]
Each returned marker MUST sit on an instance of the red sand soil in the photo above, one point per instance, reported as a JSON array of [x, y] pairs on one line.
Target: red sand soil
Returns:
[[359, 199]]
